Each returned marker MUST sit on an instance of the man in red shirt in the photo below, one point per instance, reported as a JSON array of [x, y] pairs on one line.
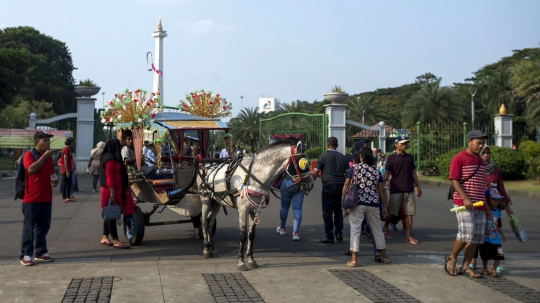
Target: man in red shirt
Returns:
[[37, 201], [467, 173]]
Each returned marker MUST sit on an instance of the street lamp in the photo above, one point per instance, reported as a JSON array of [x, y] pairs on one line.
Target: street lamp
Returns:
[[103, 99], [363, 108], [472, 90], [241, 102]]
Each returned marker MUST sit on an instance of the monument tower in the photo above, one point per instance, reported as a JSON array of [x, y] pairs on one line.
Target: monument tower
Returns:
[[159, 34]]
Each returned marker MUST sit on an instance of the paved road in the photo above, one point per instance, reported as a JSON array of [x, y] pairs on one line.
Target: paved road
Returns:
[[76, 229]]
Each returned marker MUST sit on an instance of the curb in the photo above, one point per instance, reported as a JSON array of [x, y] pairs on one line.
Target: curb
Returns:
[[519, 193]]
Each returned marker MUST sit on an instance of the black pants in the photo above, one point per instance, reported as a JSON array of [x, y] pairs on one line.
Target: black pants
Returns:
[[65, 187], [109, 228], [36, 224], [95, 181], [331, 209]]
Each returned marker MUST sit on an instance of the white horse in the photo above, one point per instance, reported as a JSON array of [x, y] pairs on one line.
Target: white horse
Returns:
[[245, 185]]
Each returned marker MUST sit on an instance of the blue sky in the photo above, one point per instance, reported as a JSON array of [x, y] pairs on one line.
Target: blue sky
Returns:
[[289, 49]]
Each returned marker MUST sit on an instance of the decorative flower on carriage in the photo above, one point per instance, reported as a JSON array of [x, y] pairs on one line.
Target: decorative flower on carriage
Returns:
[[204, 104], [131, 107]]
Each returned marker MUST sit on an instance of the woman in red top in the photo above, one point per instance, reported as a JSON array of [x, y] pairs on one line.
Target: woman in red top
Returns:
[[113, 180], [494, 178]]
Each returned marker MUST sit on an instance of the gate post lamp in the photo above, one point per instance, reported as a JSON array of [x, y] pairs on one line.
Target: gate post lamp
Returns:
[[103, 99], [472, 90]]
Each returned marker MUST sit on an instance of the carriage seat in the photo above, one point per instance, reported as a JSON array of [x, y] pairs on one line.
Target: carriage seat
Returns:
[[161, 182]]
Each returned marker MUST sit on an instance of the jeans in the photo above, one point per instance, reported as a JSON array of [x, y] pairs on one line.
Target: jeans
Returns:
[[288, 197], [36, 224], [74, 183], [331, 206], [95, 181]]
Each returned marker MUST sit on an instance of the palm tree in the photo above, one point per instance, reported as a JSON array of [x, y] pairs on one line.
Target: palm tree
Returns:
[[245, 126], [363, 108], [525, 79], [435, 105], [498, 89], [293, 107]]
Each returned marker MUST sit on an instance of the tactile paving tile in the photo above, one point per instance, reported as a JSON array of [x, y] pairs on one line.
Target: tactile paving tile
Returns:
[[371, 287], [89, 289], [231, 287], [510, 288]]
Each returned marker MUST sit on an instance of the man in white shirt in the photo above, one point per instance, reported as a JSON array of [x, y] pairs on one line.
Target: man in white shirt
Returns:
[[150, 156], [224, 153]]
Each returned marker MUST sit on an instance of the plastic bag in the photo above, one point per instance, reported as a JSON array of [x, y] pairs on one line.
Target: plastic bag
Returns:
[[515, 225]]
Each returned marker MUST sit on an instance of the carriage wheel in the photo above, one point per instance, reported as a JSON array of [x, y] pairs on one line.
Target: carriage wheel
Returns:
[[135, 222]]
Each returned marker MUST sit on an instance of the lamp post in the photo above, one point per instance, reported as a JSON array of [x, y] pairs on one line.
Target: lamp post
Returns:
[[472, 90], [103, 99], [363, 109], [241, 102]]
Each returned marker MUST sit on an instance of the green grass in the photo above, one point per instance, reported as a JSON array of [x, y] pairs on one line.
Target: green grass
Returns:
[[521, 185]]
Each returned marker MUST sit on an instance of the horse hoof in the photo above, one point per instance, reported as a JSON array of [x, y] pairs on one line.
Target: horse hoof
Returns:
[[242, 267], [252, 264], [207, 254], [214, 254]]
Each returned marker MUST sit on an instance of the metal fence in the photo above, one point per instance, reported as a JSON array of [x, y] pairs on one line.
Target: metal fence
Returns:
[[314, 128]]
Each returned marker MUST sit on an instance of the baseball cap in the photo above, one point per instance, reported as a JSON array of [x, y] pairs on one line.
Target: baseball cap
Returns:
[[402, 139], [493, 193], [473, 134], [41, 134]]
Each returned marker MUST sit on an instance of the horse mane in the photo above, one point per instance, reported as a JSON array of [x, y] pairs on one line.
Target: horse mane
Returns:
[[274, 145]]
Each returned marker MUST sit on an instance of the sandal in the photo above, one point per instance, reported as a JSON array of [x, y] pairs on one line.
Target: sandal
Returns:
[[107, 243], [387, 235], [378, 258], [485, 272], [65, 201], [412, 241], [352, 264], [468, 271], [387, 260], [122, 246], [494, 273], [451, 272]]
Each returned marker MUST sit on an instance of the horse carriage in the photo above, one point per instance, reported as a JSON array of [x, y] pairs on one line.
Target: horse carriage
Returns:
[[174, 187], [200, 185]]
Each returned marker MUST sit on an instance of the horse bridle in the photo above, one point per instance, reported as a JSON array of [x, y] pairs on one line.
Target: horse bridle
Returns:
[[299, 175]]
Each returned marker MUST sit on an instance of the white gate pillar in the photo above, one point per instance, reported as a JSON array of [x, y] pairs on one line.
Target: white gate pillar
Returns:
[[503, 128], [85, 132], [336, 124]]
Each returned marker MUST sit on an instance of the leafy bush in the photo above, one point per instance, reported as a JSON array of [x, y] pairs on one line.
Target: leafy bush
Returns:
[[429, 165], [510, 163], [533, 168], [529, 149], [443, 161], [314, 153]]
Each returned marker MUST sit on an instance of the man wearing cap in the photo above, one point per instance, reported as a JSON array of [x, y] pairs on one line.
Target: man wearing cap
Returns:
[[467, 173], [333, 167], [403, 186], [37, 201], [145, 147], [66, 170]]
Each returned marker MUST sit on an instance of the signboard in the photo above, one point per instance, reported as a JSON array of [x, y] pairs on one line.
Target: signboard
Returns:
[[267, 105], [24, 138]]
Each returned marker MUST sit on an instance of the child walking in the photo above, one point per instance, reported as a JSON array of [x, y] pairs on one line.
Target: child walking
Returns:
[[492, 248]]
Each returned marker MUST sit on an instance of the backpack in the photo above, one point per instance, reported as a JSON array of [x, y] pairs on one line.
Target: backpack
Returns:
[[20, 178]]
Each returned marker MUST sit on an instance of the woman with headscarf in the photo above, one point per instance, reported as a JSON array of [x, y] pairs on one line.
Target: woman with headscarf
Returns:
[[113, 179], [494, 178], [93, 163]]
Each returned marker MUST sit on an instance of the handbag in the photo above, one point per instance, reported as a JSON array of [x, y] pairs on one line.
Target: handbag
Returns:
[[452, 189], [111, 211], [350, 199]]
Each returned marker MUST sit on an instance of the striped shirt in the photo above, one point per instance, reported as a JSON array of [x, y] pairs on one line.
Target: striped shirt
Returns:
[[462, 166]]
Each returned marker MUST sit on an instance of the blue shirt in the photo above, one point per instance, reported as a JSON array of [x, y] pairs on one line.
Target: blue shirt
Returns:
[[492, 231]]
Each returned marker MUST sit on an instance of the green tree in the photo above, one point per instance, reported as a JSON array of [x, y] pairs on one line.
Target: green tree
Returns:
[[363, 105], [49, 75], [245, 126], [14, 65], [435, 105], [16, 115]]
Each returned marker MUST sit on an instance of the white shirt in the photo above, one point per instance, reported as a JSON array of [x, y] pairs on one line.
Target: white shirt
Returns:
[[224, 153], [150, 156]]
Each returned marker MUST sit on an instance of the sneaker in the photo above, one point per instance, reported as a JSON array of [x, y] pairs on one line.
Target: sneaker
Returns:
[[281, 231], [295, 237], [27, 261], [44, 258]]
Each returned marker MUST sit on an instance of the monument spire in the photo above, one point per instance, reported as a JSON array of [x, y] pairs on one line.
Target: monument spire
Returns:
[[159, 34]]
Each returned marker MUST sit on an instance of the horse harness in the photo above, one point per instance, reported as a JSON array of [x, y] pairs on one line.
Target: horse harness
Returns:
[[298, 172]]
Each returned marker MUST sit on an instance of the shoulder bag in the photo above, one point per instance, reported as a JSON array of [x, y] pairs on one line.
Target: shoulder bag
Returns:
[[350, 200], [452, 189]]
